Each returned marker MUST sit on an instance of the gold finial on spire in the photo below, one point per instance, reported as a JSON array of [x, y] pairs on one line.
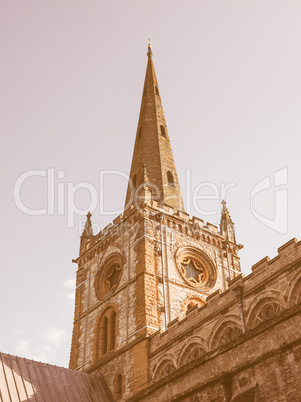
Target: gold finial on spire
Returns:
[[149, 47]]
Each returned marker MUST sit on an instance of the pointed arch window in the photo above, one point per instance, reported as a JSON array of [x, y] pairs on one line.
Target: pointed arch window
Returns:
[[229, 335], [112, 333], [190, 306], [227, 332], [170, 179], [157, 91], [192, 352], [163, 131], [140, 133], [118, 385], [165, 368], [106, 337], [267, 312]]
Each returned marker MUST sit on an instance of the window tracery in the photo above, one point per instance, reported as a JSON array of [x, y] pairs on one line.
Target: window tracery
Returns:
[[108, 276], [229, 334], [294, 292], [193, 352], [267, 312], [169, 368], [193, 270], [113, 276], [196, 267], [164, 369]]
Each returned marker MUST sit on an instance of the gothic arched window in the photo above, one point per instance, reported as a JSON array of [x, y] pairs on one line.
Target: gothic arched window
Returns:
[[229, 335], [227, 332], [192, 352], [163, 132], [157, 91], [106, 337], [165, 368], [118, 385], [267, 312], [113, 330]]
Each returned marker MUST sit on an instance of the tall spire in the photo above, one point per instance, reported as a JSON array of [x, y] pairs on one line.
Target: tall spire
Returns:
[[152, 148]]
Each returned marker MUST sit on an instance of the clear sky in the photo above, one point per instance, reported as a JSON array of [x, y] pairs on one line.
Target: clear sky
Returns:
[[71, 82]]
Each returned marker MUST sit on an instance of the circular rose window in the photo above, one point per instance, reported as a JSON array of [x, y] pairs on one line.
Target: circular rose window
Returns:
[[196, 268], [109, 275]]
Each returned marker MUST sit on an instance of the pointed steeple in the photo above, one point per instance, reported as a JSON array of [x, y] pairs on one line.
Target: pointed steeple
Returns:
[[226, 225], [153, 149], [87, 234]]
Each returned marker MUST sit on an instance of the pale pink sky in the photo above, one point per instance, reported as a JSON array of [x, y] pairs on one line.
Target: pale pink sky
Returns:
[[71, 81]]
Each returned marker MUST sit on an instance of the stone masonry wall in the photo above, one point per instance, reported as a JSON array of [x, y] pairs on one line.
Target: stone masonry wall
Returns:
[[244, 343], [150, 293]]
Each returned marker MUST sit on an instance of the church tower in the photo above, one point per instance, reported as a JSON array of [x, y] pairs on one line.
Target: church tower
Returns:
[[148, 267]]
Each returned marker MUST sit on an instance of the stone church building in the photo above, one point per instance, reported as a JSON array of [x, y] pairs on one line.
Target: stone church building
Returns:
[[162, 310]]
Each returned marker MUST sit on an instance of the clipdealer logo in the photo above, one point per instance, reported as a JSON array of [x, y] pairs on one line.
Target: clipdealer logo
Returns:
[[280, 203], [61, 196]]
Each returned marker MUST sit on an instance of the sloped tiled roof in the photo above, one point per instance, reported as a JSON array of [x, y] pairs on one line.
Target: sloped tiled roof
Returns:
[[28, 380]]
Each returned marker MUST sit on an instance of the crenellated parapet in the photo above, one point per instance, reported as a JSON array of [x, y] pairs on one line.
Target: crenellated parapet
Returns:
[[249, 304], [176, 220]]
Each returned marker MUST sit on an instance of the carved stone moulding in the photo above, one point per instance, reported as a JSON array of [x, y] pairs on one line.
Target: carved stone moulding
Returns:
[[196, 267], [108, 276]]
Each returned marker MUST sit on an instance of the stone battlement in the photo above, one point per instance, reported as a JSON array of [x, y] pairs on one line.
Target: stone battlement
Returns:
[[219, 304], [193, 226]]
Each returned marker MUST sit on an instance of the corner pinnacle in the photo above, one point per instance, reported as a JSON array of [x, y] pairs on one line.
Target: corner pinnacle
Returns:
[[88, 232], [225, 212]]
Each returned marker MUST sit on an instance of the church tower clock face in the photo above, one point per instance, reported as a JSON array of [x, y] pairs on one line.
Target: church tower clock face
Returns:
[[196, 268], [109, 275]]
